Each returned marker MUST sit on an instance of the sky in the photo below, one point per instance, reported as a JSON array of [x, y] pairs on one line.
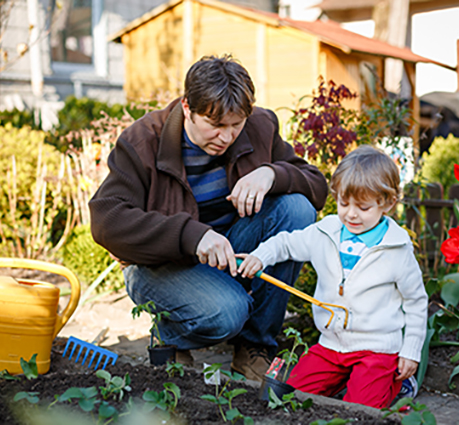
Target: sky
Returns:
[[434, 35]]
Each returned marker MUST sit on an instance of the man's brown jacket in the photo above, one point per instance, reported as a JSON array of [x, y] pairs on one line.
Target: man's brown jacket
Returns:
[[145, 212]]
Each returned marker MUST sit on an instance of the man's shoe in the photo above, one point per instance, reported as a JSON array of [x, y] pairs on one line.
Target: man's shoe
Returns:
[[250, 361], [184, 357], [409, 388]]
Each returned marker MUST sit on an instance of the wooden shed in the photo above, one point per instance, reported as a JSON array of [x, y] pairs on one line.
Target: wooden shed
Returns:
[[284, 57]]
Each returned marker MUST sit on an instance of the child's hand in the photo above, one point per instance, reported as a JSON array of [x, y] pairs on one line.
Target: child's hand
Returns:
[[406, 368], [250, 266]]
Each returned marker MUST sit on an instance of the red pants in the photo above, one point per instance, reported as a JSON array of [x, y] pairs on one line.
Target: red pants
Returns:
[[368, 376]]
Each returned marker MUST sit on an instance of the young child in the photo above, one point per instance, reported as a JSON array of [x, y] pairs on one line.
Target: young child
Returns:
[[364, 262]]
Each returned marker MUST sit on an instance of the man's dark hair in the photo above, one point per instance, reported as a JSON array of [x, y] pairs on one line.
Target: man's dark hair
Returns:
[[216, 86]]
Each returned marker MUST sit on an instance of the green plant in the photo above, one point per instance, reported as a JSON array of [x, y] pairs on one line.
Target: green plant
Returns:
[[334, 421], [438, 163], [88, 260], [30, 368], [155, 317], [4, 374], [165, 400], [288, 400], [18, 118], [31, 397], [89, 114], [224, 397], [35, 205], [173, 368], [290, 356], [418, 416], [114, 386]]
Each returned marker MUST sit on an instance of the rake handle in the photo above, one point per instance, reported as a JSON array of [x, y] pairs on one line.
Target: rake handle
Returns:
[[298, 293]]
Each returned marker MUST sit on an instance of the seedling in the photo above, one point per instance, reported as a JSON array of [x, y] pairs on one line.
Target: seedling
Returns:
[[155, 318], [30, 367], [4, 374], [173, 368], [223, 396], [31, 397], [418, 416], [289, 356], [287, 400], [113, 386], [165, 400]]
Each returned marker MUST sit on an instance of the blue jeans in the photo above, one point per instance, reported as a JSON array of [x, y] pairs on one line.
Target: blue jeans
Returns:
[[208, 306]]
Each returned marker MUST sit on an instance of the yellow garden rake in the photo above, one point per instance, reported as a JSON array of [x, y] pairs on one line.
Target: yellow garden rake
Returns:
[[300, 294]]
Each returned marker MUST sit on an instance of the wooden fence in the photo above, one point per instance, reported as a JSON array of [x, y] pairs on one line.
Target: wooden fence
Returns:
[[439, 215]]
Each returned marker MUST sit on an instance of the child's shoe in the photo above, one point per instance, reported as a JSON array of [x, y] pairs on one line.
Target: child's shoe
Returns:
[[409, 388]]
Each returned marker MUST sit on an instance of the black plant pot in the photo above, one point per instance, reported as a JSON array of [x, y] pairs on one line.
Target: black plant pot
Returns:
[[280, 388], [161, 354]]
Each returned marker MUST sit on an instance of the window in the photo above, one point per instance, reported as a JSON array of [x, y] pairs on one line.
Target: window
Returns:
[[71, 32]]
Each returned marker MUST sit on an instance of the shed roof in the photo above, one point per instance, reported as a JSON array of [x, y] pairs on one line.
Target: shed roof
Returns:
[[328, 32]]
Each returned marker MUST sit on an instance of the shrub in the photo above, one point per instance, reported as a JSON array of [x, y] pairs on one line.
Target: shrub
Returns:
[[17, 118], [88, 259], [438, 164], [35, 200], [79, 115]]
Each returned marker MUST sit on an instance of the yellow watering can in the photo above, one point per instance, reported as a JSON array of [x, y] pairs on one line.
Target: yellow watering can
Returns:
[[28, 314]]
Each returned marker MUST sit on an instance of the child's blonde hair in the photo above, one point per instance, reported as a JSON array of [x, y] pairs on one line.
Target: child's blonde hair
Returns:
[[366, 173]]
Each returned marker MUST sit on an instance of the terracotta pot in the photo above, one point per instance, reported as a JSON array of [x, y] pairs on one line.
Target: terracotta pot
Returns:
[[280, 388], [161, 354]]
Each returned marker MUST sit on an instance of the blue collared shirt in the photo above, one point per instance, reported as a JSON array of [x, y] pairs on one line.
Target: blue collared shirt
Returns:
[[352, 246]]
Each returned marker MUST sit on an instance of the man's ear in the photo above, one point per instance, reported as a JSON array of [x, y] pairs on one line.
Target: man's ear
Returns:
[[186, 108]]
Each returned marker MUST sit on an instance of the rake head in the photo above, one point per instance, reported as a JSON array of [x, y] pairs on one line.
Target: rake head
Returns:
[[97, 352]]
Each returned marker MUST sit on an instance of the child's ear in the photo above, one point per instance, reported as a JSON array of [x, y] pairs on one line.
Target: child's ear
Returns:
[[390, 204]]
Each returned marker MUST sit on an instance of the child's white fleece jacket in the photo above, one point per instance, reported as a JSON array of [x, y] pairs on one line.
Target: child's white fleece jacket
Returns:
[[384, 292]]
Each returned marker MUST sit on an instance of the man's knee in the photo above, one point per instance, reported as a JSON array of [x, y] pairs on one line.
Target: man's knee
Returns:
[[297, 210]]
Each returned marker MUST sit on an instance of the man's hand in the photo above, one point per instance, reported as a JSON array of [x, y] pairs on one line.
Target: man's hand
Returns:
[[249, 192], [406, 368], [215, 250]]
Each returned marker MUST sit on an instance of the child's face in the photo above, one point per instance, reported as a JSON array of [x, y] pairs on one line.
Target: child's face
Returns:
[[360, 216]]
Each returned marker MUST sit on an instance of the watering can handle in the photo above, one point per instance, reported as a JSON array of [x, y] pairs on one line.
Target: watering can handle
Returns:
[[26, 263]]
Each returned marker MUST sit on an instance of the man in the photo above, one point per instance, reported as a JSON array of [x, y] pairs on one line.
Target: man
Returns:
[[188, 186]]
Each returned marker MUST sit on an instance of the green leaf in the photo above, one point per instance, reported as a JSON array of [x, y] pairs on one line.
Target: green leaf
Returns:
[[234, 393], [307, 404], [86, 404], [429, 418], [210, 398], [31, 397], [169, 386], [4, 374], [450, 290], [248, 420], [30, 368], [89, 392], [71, 393], [453, 374], [414, 418], [106, 411], [104, 375], [233, 414]]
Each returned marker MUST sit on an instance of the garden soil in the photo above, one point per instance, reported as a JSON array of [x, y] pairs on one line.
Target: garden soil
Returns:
[[111, 317]]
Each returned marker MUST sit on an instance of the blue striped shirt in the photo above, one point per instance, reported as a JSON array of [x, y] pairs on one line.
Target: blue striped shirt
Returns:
[[353, 247], [206, 175]]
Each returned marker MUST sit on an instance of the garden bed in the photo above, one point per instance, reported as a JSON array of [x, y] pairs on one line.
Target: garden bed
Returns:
[[191, 409]]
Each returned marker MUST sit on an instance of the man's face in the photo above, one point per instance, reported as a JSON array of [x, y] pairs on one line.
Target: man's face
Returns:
[[214, 138]]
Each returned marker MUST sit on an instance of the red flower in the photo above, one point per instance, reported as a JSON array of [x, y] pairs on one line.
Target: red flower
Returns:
[[450, 247], [456, 171]]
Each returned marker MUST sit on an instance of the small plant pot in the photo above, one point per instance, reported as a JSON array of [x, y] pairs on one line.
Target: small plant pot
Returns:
[[280, 388], [161, 354]]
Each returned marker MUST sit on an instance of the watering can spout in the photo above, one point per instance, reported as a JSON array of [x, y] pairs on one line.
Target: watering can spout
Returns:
[[29, 321]]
